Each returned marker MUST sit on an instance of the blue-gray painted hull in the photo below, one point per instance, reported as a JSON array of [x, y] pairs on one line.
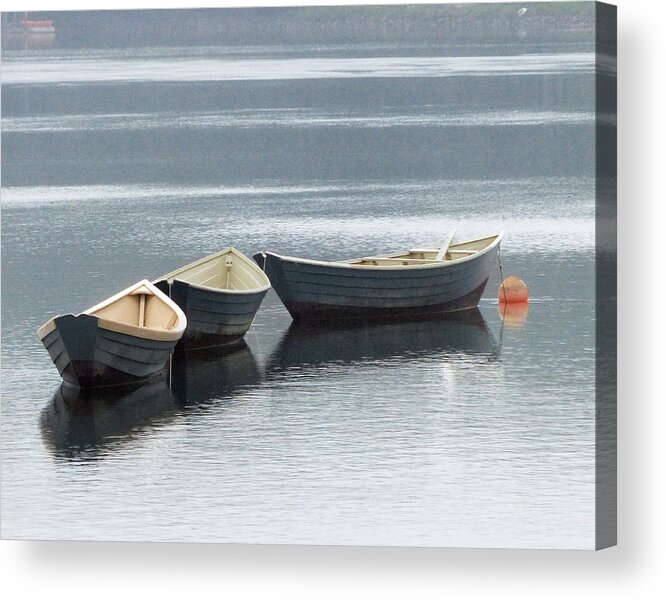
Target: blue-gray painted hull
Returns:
[[320, 291], [88, 356], [214, 317]]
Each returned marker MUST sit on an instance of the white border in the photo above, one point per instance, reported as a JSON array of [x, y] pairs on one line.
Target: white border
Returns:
[[634, 569]]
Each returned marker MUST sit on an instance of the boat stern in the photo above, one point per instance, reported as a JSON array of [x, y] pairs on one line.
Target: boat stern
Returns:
[[260, 259]]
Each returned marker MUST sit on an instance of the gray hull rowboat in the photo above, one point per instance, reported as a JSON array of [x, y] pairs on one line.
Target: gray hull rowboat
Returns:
[[220, 295], [124, 339], [417, 282]]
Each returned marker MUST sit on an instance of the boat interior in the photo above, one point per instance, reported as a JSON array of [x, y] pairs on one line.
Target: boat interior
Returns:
[[140, 307], [226, 270], [448, 251]]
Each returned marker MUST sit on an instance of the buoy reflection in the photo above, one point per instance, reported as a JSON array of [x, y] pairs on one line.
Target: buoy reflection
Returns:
[[514, 315]]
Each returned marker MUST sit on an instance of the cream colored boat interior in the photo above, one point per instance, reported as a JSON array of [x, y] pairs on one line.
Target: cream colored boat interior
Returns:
[[446, 252], [227, 270], [141, 310], [140, 307]]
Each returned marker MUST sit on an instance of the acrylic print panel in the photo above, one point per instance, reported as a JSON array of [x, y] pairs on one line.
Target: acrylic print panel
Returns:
[[134, 142]]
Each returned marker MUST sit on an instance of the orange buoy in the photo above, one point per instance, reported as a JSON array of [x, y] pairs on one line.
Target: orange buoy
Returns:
[[512, 291]]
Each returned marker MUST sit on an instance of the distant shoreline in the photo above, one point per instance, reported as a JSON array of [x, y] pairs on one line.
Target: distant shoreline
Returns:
[[294, 26]]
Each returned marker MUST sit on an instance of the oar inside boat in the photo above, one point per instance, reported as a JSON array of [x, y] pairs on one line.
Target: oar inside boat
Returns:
[[445, 246]]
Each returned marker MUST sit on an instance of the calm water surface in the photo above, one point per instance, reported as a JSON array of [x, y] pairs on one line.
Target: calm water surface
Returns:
[[474, 432]]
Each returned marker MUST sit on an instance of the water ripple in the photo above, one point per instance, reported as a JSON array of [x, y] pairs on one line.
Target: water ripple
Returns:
[[289, 117], [98, 70]]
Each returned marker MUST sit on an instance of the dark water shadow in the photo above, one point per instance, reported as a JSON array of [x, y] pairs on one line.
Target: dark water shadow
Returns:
[[200, 377], [91, 423], [80, 422], [463, 333]]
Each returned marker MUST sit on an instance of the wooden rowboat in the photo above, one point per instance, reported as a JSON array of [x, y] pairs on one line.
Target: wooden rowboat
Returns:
[[220, 295], [124, 339], [420, 281]]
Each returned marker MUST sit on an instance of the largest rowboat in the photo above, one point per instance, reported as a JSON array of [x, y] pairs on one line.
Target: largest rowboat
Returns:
[[420, 281]]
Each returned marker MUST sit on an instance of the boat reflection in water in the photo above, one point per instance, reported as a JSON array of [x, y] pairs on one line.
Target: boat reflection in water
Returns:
[[203, 376], [80, 422], [444, 336]]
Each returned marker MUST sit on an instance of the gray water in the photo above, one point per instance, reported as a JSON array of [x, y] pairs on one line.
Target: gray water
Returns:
[[119, 165]]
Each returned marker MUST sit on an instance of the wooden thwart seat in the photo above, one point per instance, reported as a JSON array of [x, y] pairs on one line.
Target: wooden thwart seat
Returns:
[[448, 251]]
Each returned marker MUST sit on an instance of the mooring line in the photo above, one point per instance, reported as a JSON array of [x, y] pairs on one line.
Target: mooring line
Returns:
[[503, 313], [499, 261]]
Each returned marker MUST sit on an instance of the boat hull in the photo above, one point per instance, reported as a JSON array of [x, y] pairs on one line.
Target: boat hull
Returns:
[[318, 291], [214, 317], [87, 355]]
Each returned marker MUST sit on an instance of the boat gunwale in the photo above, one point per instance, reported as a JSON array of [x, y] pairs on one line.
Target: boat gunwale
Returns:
[[160, 335], [223, 291], [172, 275], [430, 265], [151, 333]]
